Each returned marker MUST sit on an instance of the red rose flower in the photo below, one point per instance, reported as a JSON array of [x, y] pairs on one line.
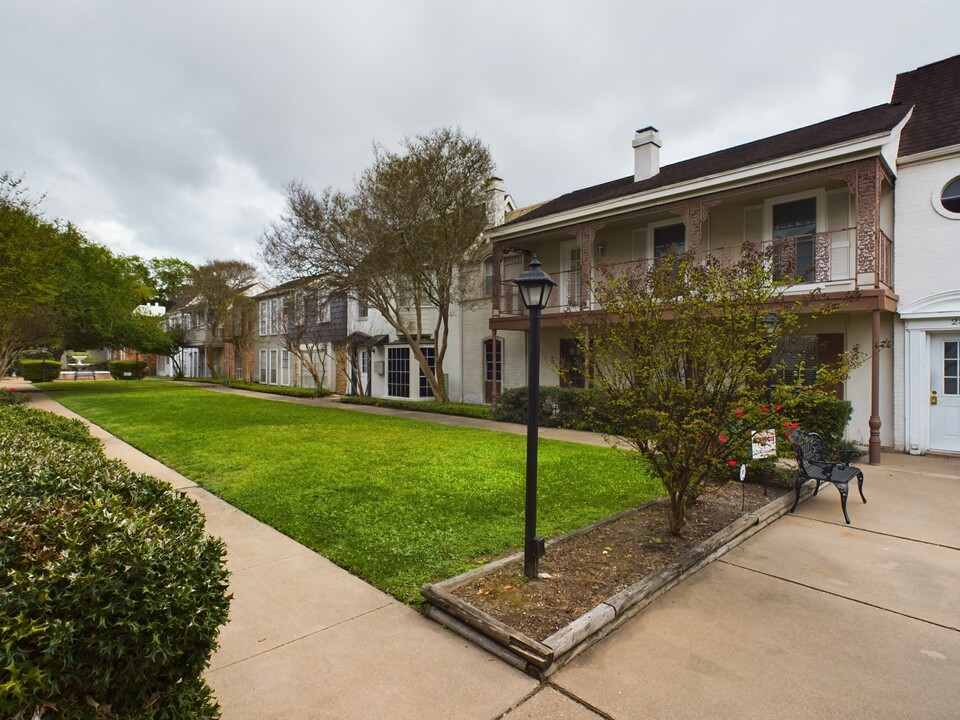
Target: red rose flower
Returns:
[[732, 463]]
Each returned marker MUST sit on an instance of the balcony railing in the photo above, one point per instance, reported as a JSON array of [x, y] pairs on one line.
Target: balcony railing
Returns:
[[827, 258]]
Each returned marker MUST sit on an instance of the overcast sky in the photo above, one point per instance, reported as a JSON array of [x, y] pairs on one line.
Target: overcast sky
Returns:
[[169, 127]]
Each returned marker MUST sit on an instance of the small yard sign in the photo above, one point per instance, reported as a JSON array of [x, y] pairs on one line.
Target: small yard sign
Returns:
[[128, 374], [764, 444]]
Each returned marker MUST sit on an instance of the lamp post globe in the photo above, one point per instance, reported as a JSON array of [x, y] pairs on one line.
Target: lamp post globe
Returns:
[[535, 287]]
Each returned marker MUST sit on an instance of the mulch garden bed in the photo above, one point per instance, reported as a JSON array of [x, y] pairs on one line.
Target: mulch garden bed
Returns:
[[593, 579], [586, 569]]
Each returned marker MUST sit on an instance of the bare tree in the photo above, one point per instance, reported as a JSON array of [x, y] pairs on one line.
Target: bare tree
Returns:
[[305, 319], [402, 240], [215, 288], [240, 329]]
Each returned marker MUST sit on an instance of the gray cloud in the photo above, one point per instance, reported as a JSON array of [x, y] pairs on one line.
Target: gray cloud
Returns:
[[170, 128]]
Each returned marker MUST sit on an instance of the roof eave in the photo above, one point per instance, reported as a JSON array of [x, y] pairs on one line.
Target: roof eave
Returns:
[[856, 149]]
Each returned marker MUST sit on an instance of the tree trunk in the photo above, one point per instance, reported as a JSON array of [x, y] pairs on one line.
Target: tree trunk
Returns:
[[677, 508]]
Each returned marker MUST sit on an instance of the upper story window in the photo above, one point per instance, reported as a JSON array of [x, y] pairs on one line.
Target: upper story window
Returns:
[[794, 224], [363, 309], [269, 316], [950, 197], [488, 277], [668, 240]]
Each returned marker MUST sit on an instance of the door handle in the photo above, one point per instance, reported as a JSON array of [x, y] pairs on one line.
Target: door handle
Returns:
[[933, 397]]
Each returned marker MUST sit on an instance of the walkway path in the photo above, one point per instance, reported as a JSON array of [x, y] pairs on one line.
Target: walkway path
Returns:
[[810, 618]]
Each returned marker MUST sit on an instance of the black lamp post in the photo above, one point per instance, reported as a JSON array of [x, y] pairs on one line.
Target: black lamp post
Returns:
[[43, 364], [535, 286]]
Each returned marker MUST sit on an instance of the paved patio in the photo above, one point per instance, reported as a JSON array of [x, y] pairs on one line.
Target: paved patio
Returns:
[[810, 618]]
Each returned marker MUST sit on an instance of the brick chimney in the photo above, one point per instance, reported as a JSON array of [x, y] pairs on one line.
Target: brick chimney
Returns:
[[646, 153]]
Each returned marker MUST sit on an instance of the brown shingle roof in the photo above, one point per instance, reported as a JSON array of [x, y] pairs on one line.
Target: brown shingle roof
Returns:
[[862, 123], [934, 90]]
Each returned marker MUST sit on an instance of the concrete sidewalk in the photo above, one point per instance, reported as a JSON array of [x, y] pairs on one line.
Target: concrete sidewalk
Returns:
[[810, 618]]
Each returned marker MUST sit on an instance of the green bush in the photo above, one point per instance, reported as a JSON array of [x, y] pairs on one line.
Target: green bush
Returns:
[[39, 370], [285, 390], [8, 396], [481, 412], [820, 412], [119, 369], [49, 425], [572, 408], [111, 595]]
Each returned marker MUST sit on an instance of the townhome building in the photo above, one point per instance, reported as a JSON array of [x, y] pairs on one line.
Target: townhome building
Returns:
[[305, 338], [927, 261], [468, 364], [223, 344], [827, 197]]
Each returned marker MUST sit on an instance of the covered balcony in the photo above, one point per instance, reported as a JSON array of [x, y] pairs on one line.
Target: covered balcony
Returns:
[[829, 229]]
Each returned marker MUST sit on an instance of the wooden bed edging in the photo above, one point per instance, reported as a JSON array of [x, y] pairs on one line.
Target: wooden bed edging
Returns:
[[542, 659]]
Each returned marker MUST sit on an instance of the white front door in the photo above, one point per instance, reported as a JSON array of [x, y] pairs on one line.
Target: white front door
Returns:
[[945, 392]]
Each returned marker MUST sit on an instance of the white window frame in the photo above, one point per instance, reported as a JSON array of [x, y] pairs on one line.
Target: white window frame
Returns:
[[821, 197], [652, 231], [820, 194]]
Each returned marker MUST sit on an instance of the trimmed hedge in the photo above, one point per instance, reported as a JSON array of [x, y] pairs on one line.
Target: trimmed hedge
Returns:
[[572, 408], [481, 412], [40, 370], [111, 594], [137, 370], [258, 387]]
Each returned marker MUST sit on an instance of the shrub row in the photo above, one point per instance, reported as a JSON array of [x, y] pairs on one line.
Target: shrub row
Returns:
[[583, 409], [303, 392], [40, 370], [110, 593], [481, 412], [572, 408], [128, 369]]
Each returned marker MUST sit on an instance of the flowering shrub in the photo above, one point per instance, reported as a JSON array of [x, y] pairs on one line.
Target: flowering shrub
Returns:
[[11, 397]]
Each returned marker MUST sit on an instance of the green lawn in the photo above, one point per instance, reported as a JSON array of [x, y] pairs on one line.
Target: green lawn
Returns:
[[397, 502]]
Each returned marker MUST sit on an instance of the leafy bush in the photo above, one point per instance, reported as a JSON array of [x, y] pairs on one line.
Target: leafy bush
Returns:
[[572, 408], [110, 593], [820, 412], [49, 425], [481, 412], [39, 370], [11, 397], [119, 369]]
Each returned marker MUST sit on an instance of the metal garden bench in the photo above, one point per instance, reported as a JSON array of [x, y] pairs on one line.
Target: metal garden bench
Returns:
[[812, 464]]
